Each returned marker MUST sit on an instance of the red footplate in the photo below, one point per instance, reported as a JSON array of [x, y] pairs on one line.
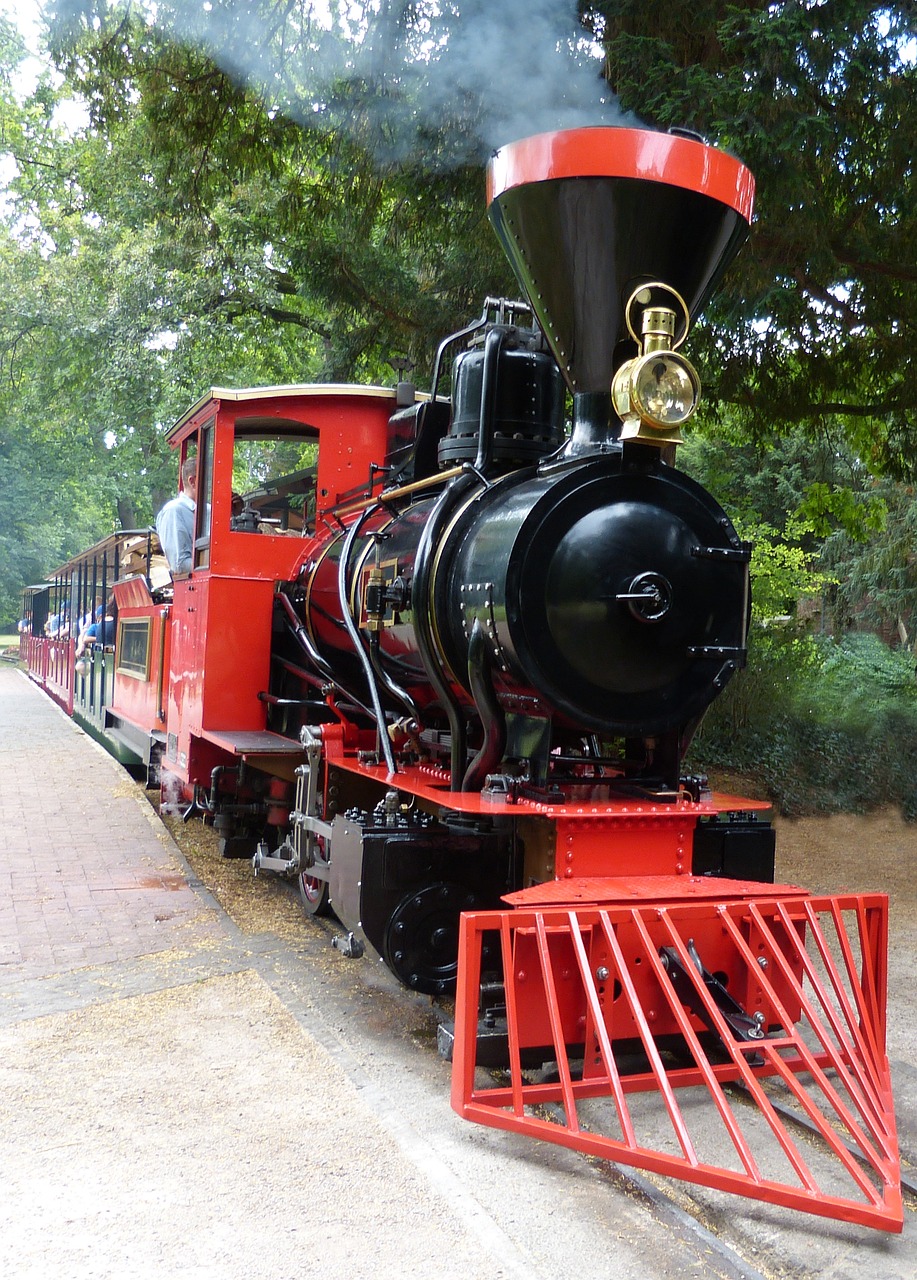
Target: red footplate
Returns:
[[736, 1042]]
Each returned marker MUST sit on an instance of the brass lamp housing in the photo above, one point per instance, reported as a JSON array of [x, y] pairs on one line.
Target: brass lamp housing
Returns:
[[657, 391]]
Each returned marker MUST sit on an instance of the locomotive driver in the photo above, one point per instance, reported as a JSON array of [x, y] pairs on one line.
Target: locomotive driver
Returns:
[[175, 522]]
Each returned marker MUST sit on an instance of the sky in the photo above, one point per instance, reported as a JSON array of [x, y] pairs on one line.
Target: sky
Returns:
[[26, 15]]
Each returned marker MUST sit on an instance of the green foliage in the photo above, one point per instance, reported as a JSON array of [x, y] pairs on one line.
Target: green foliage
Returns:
[[863, 678], [258, 462], [827, 727], [765, 491], [782, 572], [820, 524], [816, 322], [802, 486], [876, 579], [48, 511], [829, 507]]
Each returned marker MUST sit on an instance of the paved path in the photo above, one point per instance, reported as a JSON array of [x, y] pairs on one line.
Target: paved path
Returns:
[[151, 1080], [182, 1100], [89, 875]]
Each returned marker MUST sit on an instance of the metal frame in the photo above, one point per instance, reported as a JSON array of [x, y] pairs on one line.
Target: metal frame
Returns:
[[594, 978]]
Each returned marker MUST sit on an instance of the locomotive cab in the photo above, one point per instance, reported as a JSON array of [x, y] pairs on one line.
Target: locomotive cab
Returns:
[[203, 642]]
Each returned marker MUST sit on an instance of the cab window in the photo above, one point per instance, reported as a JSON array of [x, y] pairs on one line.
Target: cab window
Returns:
[[204, 496], [273, 479]]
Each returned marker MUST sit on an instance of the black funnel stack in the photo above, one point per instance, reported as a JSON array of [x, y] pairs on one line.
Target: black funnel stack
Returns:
[[588, 215]]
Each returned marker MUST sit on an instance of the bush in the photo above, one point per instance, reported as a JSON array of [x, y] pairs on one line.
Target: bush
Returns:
[[827, 727]]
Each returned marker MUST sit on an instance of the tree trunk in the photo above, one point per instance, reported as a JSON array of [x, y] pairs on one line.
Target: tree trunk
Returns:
[[127, 513]]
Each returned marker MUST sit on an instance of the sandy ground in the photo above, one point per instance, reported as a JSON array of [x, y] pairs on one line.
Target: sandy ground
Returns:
[[155, 1135]]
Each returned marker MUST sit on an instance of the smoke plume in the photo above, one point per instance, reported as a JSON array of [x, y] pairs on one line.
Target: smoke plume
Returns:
[[448, 79]]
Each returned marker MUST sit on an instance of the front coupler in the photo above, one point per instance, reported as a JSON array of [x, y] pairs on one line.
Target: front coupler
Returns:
[[695, 1028]]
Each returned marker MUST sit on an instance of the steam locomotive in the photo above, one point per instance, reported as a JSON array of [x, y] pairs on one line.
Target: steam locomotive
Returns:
[[439, 658]]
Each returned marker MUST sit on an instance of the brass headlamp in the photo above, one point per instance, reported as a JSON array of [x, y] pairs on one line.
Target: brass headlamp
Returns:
[[658, 390]]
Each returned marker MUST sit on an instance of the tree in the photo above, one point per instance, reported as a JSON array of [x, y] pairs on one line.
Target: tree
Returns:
[[875, 579], [324, 227], [315, 207], [358, 140], [194, 236], [817, 324]]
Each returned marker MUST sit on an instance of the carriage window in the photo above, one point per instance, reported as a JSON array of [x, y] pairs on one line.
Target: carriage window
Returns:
[[273, 481], [204, 497]]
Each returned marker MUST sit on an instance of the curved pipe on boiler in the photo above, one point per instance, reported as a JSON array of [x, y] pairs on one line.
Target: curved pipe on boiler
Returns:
[[487, 707], [398, 693], [309, 649], [422, 605], [357, 642]]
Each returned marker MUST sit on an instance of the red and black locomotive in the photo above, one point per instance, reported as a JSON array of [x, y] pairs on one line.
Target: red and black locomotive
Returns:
[[440, 659]]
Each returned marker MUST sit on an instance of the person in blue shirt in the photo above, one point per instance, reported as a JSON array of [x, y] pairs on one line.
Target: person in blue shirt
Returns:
[[175, 522], [102, 631]]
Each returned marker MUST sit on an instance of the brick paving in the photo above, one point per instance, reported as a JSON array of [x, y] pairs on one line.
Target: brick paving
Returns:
[[151, 1052], [88, 874]]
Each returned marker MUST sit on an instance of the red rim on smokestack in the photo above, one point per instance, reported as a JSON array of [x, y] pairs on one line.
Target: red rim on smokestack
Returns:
[[587, 215]]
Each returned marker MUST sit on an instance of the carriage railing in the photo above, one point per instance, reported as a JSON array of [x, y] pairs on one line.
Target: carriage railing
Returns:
[[57, 610]]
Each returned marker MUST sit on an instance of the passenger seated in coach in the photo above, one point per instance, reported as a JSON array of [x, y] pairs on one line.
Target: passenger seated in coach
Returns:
[[58, 625], [85, 620], [175, 522], [98, 632]]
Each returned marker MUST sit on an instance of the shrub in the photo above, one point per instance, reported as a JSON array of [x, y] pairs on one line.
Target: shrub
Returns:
[[827, 727]]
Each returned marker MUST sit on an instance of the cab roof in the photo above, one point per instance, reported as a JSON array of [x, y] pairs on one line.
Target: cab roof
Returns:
[[252, 395]]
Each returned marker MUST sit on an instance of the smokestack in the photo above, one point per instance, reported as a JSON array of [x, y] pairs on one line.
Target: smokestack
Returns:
[[588, 215]]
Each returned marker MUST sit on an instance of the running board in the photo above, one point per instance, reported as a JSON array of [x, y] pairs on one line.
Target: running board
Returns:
[[653, 1001]]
